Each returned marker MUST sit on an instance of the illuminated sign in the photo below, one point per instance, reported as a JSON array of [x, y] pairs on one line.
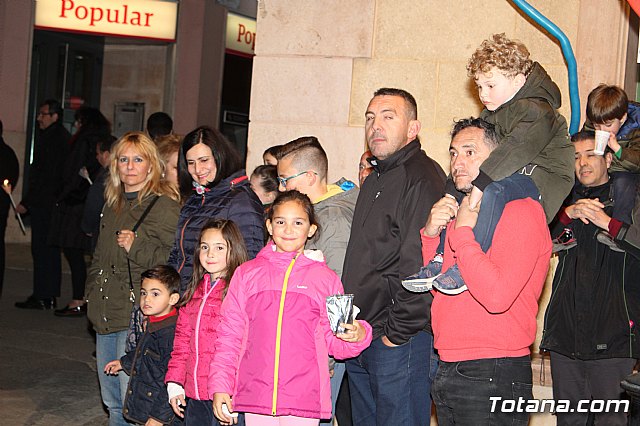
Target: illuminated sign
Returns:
[[241, 34], [140, 18]]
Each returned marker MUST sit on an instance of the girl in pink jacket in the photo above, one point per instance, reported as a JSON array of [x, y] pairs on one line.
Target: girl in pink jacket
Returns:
[[274, 336], [220, 251]]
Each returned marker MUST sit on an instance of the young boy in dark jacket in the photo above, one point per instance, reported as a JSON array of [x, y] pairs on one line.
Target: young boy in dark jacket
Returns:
[[533, 159], [147, 401]]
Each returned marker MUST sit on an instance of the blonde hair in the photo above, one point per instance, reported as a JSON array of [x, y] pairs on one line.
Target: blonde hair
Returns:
[[153, 184], [167, 145], [509, 56]]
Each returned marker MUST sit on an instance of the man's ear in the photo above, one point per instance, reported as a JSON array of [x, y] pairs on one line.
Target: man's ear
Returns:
[[414, 129], [608, 158]]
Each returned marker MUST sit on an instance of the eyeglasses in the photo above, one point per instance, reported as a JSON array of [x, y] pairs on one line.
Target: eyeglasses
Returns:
[[45, 113], [283, 181]]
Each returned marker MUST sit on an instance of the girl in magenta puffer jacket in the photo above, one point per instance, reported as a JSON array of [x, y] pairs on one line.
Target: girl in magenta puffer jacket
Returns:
[[220, 251], [274, 335]]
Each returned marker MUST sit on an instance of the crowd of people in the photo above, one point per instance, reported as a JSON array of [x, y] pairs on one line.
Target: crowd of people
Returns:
[[207, 288]]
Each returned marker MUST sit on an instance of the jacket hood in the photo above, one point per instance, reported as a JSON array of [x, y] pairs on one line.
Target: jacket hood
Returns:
[[346, 199], [539, 85], [632, 123]]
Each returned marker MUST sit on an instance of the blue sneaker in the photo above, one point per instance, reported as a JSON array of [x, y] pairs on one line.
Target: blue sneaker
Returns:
[[422, 281], [450, 282]]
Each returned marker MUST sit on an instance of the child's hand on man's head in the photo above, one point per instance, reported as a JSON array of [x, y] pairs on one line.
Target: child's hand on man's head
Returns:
[[354, 332]]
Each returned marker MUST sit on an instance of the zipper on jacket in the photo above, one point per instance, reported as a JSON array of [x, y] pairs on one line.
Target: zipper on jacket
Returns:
[[184, 227], [205, 297], [626, 308], [553, 294], [276, 365]]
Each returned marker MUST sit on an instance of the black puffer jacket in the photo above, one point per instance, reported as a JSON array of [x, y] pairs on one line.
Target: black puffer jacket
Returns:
[[594, 308], [233, 199]]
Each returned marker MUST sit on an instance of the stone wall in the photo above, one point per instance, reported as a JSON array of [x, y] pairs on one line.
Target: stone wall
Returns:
[[133, 73], [318, 63]]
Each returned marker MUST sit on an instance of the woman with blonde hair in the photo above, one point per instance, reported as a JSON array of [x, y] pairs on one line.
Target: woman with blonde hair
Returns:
[[136, 233]]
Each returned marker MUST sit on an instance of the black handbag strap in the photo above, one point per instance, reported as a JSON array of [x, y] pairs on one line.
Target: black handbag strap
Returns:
[[146, 211]]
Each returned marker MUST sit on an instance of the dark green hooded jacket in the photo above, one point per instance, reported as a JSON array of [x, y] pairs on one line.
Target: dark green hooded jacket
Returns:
[[531, 131]]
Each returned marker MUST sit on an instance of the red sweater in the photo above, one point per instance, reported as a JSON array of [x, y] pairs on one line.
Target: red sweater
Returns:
[[496, 317]]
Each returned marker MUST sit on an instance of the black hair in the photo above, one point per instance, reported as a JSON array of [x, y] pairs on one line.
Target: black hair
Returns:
[[410, 101], [490, 135], [92, 120], [300, 198], [307, 154], [54, 107], [268, 175], [166, 275], [159, 124], [224, 154], [273, 150], [105, 142]]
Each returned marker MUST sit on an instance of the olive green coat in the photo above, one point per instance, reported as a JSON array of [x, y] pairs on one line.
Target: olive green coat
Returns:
[[107, 291]]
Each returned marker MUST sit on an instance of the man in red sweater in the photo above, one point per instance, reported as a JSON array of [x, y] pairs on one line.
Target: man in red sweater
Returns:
[[483, 335]]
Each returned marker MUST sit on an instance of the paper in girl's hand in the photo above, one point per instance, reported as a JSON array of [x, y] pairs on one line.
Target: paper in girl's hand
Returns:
[[340, 310]]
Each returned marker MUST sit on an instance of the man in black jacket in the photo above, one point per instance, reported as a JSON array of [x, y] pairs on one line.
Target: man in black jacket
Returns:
[[591, 323], [390, 381], [9, 172], [45, 179]]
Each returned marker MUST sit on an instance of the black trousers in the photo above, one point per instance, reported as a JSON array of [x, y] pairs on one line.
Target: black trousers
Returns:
[[78, 267], [4, 214], [46, 258], [575, 380]]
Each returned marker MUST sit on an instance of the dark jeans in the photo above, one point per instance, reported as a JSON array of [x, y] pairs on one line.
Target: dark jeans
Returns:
[[200, 413], [462, 390], [391, 385], [625, 188], [46, 258], [575, 379], [494, 199]]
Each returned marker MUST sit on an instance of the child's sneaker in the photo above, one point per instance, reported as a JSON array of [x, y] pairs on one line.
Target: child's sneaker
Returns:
[[605, 238], [564, 241], [422, 281], [450, 282]]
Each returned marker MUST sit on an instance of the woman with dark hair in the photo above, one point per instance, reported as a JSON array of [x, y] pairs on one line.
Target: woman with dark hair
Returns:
[[213, 185], [79, 172]]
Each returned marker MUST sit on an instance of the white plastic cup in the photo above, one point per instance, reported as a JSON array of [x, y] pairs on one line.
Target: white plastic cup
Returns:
[[602, 139]]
